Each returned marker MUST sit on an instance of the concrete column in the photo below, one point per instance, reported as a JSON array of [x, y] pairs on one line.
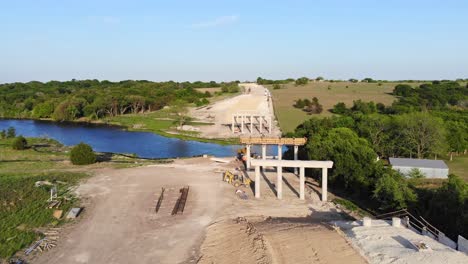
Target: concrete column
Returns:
[[269, 126], [233, 123], [263, 155], [261, 123], [251, 124], [257, 181], [248, 157], [296, 149], [242, 125], [279, 182], [302, 183], [280, 152], [280, 155], [324, 184]]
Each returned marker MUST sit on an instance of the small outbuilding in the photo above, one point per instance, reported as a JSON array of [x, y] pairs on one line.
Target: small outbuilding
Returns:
[[430, 168]]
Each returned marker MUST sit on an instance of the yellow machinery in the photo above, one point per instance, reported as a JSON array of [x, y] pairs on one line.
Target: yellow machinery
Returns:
[[236, 180]]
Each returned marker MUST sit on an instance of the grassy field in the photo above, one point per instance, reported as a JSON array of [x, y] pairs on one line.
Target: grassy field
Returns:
[[459, 166], [328, 94], [22, 205]]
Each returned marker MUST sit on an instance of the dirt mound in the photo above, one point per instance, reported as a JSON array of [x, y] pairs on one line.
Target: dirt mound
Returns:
[[275, 240], [234, 241]]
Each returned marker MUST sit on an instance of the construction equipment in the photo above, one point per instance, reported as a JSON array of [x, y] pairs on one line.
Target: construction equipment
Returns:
[[236, 180]]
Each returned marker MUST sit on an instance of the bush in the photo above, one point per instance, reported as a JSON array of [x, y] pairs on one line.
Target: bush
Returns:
[[3, 134], [415, 173], [11, 133], [302, 81], [20, 143], [82, 154], [276, 86]]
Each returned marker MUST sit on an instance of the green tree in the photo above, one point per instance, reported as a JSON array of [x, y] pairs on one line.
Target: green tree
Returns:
[[82, 154], [44, 110], [20, 143], [457, 136], [392, 191], [375, 128], [3, 134], [11, 132], [340, 108], [422, 133], [415, 173], [353, 158], [403, 90], [302, 81]]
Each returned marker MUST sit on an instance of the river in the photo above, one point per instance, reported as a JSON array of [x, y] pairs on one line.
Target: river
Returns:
[[103, 138]]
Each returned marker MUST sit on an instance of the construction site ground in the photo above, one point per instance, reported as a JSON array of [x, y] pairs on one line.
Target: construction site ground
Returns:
[[119, 223], [220, 113]]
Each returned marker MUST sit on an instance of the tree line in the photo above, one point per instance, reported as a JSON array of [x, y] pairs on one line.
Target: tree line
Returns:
[[93, 99]]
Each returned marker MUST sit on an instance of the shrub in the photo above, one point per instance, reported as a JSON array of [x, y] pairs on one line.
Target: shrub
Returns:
[[3, 134], [299, 104], [19, 143], [276, 86], [82, 154], [302, 81], [415, 173], [11, 133], [340, 108]]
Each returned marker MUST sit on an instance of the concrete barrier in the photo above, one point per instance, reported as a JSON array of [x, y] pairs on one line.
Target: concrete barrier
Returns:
[[447, 241], [462, 244]]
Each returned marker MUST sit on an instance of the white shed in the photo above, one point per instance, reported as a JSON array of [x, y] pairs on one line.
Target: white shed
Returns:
[[430, 168]]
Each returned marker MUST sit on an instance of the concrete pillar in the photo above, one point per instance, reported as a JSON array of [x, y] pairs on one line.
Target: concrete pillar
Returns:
[[279, 182], [257, 181], [302, 183], [280, 155], [296, 149], [269, 126], [233, 123], [366, 221], [396, 222], [324, 184], [261, 123], [251, 124], [248, 157], [242, 125], [263, 155]]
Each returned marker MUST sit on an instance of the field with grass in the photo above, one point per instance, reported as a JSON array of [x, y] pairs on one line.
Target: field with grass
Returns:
[[23, 207], [459, 166], [329, 94]]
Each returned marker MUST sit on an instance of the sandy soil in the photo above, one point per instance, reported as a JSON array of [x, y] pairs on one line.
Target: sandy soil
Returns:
[[220, 113], [119, 224]]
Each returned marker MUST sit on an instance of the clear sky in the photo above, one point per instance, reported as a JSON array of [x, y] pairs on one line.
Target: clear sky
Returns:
[[232, 40]]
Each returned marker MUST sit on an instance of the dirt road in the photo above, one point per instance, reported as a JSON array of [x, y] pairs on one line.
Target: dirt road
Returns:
[[220, 113], [120, 225]]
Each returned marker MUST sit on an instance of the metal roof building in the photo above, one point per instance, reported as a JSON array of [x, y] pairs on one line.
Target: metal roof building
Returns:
[[430, 168]]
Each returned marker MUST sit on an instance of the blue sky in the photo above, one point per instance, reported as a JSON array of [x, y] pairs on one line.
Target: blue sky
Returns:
[[232, 40]]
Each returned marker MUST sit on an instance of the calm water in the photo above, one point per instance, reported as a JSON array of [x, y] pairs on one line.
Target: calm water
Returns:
[[113, 139]]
